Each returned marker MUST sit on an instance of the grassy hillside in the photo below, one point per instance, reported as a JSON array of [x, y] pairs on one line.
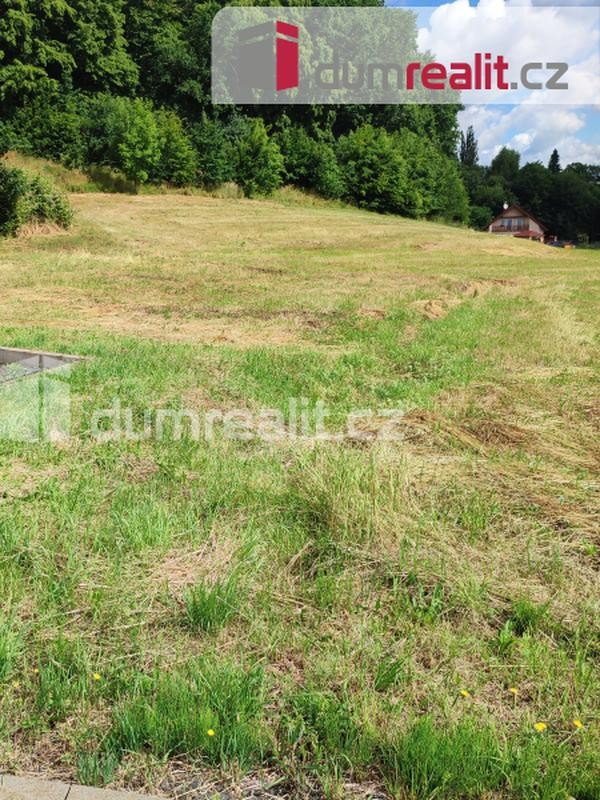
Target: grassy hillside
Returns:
[[417, 617]]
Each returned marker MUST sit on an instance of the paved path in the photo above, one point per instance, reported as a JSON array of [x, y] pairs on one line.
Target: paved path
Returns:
[[12, 788]]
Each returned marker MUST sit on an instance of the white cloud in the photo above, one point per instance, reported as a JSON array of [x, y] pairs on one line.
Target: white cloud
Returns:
[[571, 149], [522, 141], [521, 33], [536, 126], [532, 130]]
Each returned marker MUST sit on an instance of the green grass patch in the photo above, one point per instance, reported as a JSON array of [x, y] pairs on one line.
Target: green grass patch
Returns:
[[213, 710]]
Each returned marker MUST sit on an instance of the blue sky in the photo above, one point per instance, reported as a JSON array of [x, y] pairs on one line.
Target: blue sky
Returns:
[[532, 130]]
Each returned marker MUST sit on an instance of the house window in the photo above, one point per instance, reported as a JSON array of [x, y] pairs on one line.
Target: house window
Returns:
[[514, 224]]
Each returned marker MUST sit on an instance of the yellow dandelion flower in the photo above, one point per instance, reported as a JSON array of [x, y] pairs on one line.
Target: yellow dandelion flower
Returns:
[[465, 693], [210, 732], [96, 676], [36, 671], [577, 723], [540, 727], [514, 690]]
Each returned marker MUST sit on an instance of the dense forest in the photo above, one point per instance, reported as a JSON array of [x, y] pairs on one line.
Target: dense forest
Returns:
[[566, 200], [125, 84]]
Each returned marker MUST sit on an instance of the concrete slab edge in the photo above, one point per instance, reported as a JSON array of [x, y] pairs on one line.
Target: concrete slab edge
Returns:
[[13, 787]]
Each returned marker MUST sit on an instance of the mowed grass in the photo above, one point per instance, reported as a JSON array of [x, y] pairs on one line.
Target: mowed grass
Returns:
[[331, 617]]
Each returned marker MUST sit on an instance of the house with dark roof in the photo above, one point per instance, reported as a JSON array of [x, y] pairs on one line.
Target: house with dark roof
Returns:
[[515, 221]]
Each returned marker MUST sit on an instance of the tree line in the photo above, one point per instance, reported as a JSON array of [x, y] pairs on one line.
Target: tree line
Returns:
[[566, 200], [125, 84]]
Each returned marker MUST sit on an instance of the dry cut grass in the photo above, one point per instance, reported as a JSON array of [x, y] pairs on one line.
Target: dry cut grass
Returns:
[[344, 616]]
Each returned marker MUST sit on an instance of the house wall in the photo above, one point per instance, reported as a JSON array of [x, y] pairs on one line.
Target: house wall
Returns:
[[514, 214], [533, 226]]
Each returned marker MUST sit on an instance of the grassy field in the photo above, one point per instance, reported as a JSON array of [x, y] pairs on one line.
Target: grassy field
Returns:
[[415, 618]]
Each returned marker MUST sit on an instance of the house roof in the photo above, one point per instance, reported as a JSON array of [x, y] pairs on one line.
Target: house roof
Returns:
[[521, 211]]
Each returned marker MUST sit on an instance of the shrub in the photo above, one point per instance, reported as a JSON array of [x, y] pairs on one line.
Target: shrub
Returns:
[[480, 217], [13, 184], [44, 203], [374, 169], [124, 134], [436, 187], [145, 145], [26, 199], [178, 162], [41, 129], [99, 148], [451, 201], [401, 173], [422, 163], [310, 163], [258, 161], [137, 140], [6, 138], [213, 153]]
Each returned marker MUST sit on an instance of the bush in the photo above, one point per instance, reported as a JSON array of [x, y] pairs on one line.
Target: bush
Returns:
[[480, 217], [436, 187], [451, 201], [124, 134], [178, 162], [310, 163], [13, 185], [26, 199], [99, 149], [401, 173], [41, 129], [374, 169], [6, 138], [213, 153], [144, 144], [44, 203], [258, 161], [136, 139]]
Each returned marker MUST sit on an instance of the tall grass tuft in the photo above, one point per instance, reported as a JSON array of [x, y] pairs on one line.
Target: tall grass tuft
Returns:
[[64, 679], [463, 761], [527, 616], [10, 648], [96, 768], [212, 710], [327, 732], [210, 607]]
